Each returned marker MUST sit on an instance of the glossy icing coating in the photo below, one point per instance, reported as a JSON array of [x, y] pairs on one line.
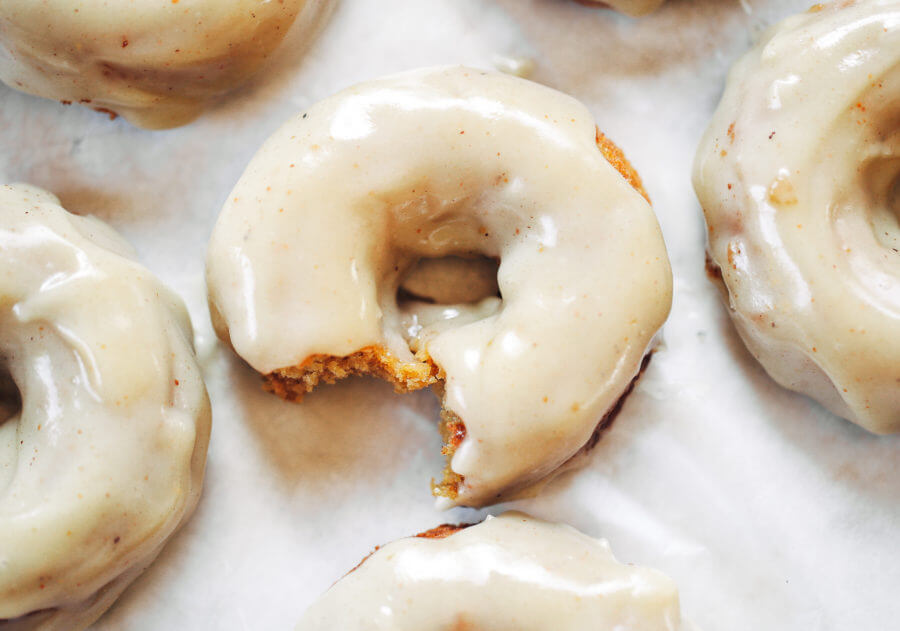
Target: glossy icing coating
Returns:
[[508, 573], [158, 63], [105, 458], [798, 176], [346, 197]]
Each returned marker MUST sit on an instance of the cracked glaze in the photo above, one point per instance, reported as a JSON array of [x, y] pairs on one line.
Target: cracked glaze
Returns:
[[105, 458], [310, 248], [158, 63], [798, 177], [508, 573]]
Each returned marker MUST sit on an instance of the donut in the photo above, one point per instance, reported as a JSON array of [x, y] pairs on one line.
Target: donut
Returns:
[[508, 572], [306, 257], [103, 456], [634, 8], [158, 63], [798, 178]]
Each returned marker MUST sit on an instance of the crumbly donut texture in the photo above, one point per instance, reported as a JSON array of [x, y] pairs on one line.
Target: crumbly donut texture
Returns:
[[511, 572], [158, 63], [104, 458], [798, 177], [634, 8], [305, 261]]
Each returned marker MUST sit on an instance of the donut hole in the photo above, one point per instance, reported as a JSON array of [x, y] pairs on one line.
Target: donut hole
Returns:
[[450, 280], [893, 201], [10, 407], [10, 399], [436, 293], [881, 181]]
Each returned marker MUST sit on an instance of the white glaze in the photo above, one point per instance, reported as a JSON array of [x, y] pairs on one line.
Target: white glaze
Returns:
[[345, 197], [508, 573], [158, 63], [105, 459], [634, 8], [797, 200]]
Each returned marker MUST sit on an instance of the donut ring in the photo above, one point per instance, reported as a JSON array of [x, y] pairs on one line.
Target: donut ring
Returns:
[[634, 8], [797, 175], [105, 459], [508, 572], [346, 197], [156, 63]]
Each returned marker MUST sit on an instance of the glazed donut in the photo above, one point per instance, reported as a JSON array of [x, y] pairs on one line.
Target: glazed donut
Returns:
[[104, 458], [634, 8], [798, 178], [508, 572], [158, 63], [306, 258]]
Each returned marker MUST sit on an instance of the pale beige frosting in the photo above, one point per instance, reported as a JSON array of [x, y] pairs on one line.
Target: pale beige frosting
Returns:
[[158, 63], [309, 250], [508, 573], [798, 177], [105, 458], [634, 8]]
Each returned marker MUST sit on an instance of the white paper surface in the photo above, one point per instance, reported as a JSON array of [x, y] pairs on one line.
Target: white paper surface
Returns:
[[769, 512]]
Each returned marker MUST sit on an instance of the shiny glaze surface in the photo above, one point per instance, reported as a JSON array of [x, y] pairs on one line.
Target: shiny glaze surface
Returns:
[[105, 458], [798, 176], [155, 62], [508, 573], [344, 198]]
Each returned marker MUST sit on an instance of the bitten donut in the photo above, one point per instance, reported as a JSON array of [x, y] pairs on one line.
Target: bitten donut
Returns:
[[798, 176], [158, 63], [634, 8], [508, 572], [103, 457], [307, 255]]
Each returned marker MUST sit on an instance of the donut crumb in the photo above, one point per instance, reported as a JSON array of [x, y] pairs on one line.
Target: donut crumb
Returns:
[[453, 432], [293, 382], [616, 157], [443, 531]]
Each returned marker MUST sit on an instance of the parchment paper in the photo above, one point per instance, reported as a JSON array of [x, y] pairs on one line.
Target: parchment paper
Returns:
[[769, 512]]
